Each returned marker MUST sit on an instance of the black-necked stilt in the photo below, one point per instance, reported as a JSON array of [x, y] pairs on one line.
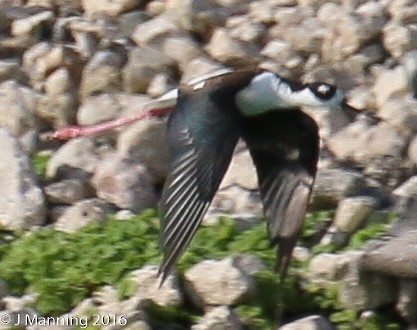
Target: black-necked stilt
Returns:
[[210, 115]]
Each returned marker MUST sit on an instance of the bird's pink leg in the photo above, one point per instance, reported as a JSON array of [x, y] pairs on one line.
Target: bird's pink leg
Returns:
[[70, 132]]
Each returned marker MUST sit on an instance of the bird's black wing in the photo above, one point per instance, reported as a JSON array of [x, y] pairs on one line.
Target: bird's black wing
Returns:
[[203, 130], [284, 146]]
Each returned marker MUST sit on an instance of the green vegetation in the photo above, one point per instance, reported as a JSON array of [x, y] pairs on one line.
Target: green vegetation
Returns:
[[65, 268], [39, 162]]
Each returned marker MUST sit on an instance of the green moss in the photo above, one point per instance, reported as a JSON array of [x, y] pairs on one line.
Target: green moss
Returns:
[[39, 162]]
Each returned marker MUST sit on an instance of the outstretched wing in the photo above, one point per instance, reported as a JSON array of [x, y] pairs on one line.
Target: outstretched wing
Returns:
[[284, 146], [203, 130]]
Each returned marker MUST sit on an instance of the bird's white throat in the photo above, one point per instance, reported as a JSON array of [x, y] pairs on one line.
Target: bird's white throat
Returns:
[[268, 92]]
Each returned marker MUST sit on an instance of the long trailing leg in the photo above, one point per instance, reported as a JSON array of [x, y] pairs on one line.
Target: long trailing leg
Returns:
[[71, 132]]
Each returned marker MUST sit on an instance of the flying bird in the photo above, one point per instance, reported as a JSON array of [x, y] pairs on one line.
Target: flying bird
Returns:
[[265, 110]]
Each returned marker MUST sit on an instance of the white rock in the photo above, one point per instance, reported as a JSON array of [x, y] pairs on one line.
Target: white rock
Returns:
[[314, 322], [213, 282], [124, 183], [79, 153], [221, 317], [22, 204], [147, 287], [81, 214], [398, 39], [326, 269], [109, 7], [400, 112], [224, 48], [98, 108], [352, 212], [145, 142]]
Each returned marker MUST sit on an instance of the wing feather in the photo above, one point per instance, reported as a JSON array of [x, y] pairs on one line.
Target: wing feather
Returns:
[[284, 146]]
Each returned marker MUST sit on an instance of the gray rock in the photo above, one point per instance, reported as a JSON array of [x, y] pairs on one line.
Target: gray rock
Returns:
[[198, 67], [68, 191], [283, 52], [81, 214], [241, 172], [412, 150], [248, 263], [314, 322], [361, 290], [15, 304], [213, 282], [145, 142], [27, 26], [388, 257], [182, 49], [325, 269], [98, 108], [226, 49], [151, 32], [407, 189], [407, 300], [16, 113], [143, 65], [124, 183], [221, 317], [362, 143], [109, 7], [409, 62], [399, 39], [22, 204], [332, 185], [102, 74], [400, 112], [146, 286], [402, 11], [10, 69], [389, 82], [237, 201], [79, 153], [58, 107], [243, 28], [352, 213]]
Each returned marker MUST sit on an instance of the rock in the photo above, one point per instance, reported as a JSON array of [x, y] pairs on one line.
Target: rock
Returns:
[[98, 108], [16, 304], [43, 58], [138, 325], [409, 62], [248, 263], [143, 65], [241, 172], [213, 282], [67, 191], [402, 11], [109, 7], [146, 286], [237, 201], [226, 49], [325, 269], [145, 142], [151, 32], [314, 322], [124, 183], [34, 24], [81, 214], [102, 74], [362, 143], [58, 107], [244, 29], [407, 300], [79, 153], [221, 317], [399, 39], [160, 84], [22, 203], [407, 189], [352, 212], [332, 185], [412, 150], [388, 257], [182, 49], [283, 52], [10, 69], [400, 112], [17, 103], [389, 82], [361, 290]]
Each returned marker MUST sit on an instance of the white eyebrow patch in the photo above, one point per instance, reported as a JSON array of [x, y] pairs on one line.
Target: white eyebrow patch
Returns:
[[199, 85], [324, 89]]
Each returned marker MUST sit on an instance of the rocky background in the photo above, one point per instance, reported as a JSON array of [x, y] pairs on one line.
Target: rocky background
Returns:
[[87, 61]]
